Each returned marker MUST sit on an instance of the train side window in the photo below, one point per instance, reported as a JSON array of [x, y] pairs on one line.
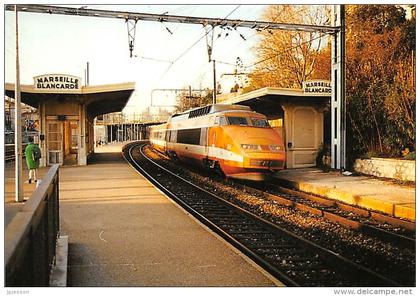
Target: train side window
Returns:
[[189, 136], [173, 138]]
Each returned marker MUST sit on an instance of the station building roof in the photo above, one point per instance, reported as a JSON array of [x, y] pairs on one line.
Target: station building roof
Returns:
[[99, 99], [268, 100]]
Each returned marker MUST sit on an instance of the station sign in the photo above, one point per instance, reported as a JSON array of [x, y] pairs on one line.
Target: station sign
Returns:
[[317, 87], [57, 83]]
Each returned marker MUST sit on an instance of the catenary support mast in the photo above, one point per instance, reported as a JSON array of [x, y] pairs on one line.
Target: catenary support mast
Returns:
[[338, 98], [338, 112], [18, 124]]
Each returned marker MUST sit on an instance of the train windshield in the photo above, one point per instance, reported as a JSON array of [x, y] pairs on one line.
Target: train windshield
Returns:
[[236, 120], [259, 122]]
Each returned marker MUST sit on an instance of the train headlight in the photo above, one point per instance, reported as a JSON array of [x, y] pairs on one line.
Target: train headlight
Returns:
[[276, 148], [253, 147]]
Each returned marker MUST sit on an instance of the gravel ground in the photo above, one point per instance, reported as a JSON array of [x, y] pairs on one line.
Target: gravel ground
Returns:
[[397, 263]]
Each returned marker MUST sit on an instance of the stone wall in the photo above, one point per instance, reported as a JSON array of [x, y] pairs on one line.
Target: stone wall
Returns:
[[404, 170]]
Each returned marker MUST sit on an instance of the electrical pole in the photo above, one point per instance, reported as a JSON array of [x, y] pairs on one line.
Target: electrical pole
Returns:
[[87, 73], [18, 124], [131, 30], [214, 82], [338, 95], [209, 52]]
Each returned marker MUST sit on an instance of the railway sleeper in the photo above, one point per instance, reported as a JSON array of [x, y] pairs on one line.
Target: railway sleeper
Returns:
[[344, 214], [336, 261], [389, 236], [273, 247], [239, 227], [235, 232], [351, 208]]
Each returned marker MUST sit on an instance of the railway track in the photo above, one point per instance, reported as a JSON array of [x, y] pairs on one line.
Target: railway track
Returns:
[[369, 222], [396, 231], [292, 259]]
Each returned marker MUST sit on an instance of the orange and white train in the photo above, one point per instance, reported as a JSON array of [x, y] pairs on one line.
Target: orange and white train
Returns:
[[230, 138]]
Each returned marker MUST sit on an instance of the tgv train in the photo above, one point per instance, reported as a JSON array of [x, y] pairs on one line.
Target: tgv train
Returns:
[[230, 138]]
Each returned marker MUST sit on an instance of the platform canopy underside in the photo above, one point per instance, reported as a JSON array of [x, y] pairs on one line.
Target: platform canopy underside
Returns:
[[97, 99]]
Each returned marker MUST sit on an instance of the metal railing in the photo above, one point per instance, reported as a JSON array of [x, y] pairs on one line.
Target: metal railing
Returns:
[[31, 236], [9, 151]]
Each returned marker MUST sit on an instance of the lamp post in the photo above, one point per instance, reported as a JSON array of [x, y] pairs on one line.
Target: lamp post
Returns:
[[214, 82], [18, 124]]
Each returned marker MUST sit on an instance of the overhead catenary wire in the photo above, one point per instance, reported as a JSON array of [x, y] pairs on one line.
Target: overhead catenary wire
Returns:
[[244, 39], [225, 63], [257, 31], [170, 18], [195, 43], [286, 50], [153, 59], [275, 55]]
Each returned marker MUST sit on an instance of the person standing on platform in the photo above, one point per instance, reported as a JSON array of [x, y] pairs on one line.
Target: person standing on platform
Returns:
[[32, 155]]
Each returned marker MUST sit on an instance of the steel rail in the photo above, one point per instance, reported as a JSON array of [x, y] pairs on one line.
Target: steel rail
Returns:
[[330, 213], [137, 16], [326, 254], [274, 271]]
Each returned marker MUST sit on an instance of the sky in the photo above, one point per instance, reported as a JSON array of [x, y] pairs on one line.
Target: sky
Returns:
[[64, 44]]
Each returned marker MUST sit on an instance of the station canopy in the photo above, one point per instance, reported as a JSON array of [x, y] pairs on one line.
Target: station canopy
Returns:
[[268, 100], [98, 99]]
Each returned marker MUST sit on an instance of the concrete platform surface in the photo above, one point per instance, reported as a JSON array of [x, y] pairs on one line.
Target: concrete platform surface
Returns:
[[123, 232], [366, 192]]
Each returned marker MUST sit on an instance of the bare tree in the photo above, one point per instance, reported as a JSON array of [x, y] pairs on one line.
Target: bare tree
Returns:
[[288, 58], [186, 101]]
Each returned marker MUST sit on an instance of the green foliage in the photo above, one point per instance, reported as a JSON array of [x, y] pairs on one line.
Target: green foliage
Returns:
[[410, 156]]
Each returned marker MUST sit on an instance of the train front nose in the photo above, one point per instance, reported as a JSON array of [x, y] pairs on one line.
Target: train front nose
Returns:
[[263, 156], [261, 151], [265, 160]]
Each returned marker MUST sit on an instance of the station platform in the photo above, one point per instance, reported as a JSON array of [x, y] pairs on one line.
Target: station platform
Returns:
[[364, 191], [124, 232]]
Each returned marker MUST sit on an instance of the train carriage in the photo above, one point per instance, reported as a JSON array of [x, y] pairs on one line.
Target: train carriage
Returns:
[[157, 137], [230, 138]]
